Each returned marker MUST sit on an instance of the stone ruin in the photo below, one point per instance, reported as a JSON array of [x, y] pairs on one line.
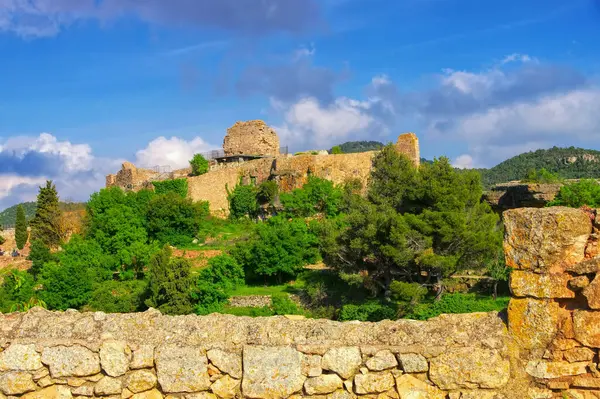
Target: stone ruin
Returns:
[[408, 144], [251, 138]]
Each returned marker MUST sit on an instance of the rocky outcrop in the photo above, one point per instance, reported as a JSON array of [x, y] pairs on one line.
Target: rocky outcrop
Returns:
[[251, 138], [513, 195], [149, 355]]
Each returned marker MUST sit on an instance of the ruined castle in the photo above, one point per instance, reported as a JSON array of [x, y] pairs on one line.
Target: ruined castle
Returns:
[[252, 153]]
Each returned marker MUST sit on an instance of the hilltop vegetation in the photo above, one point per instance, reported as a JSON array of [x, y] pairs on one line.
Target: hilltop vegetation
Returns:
[[568, 163], [9, 215], [359, 146]]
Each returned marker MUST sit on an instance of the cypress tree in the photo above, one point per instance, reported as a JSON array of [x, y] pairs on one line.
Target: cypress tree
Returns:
[[21, 228], [45, 225]]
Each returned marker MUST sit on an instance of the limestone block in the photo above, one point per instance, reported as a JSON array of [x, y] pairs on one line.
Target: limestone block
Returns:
[[271, 372], [140, 381], [226, 387], [340, 394], [311, 365], [84, 390], [45, 382], [546, 240], [75, 382], [20, 358], [527, 284], [410, 387], [587, 266], [592, 293], [53, 392], [108, 386], [413, 363], [469, 368], [323, 384], [230, 363], [16, 383], [181, 369], [201, 395], [579, 355], [578, 283], [546, 369], [67, 361], [373, 382], [143, 357], [114, 358], [533, 322], [344, 361], [153, 394], [587, 327], [585, 382], [382, 360]]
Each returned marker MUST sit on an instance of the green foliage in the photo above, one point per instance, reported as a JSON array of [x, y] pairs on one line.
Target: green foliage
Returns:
[[45, 225], [541, 176], [199, 165], [21, 234], [242, 201], [267, 192], [408, 292], [16, 291], [570, 163], [358, 146], [370, 311], [575, 195], [177, 186], [316, 196], [68, 282], [169, 283], [280, 249], [458, 303], [336, 149], [282, 305], [173, 219], [118, 297], [223, 271], [412, 221], [39, 254], [9, 215]]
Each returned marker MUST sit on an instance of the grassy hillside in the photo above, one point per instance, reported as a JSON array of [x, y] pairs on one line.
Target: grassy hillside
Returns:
[[569, 163], [360, 146], [9, 215]]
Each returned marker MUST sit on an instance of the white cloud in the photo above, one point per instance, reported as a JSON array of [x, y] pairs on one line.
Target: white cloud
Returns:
[[516, 57], [9, 182], [175, 152], [464, 161]]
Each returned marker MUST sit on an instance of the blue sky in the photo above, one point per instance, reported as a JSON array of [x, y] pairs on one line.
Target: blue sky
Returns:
[[86, 84]]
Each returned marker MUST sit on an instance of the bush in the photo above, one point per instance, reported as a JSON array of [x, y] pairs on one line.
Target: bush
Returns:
[[173, 219], [199, 165], [242, 202], [267, 192], [458, 303], [223, 271], [177, 186], [541, 176], [407, 292], [336, 149], [282, 305], [316, 196], [583, 192], [370, 311], [118, 297]]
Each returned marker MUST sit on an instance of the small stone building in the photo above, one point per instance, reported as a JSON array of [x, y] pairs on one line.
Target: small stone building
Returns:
[[408, 144], [253, 138]]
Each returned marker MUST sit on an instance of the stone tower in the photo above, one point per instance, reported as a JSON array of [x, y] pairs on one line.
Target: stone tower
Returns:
[[408, 144], [251, 138]]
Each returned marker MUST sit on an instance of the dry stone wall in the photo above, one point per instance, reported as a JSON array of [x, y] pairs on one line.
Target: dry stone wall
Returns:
[[149, 355]]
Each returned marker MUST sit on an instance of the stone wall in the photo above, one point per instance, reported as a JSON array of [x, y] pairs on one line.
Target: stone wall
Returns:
[[408, 144], [149, 355]]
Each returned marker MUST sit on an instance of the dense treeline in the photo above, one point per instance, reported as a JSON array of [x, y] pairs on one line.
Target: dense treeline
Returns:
[[359, 146], [569, 163]]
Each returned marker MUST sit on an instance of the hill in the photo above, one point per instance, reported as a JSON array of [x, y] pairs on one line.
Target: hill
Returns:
[[9, 215], [569, 163], [350, 147]]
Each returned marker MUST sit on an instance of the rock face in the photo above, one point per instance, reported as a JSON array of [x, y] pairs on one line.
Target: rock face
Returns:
[[344, 361], [251, 138], [182, 369], [67, 361]]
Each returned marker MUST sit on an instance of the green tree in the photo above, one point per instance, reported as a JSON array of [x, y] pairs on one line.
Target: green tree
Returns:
[[316, 196], [21, 234], [175, 220], [39, 255], [216, 282], [199, 165], [169, 283], [45, 225], [242, 201], [267, 192], [575, 195], [118, 296], [336, 149]]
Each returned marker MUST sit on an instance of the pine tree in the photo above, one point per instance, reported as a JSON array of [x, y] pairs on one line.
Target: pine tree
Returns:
[[45, 225], [21, 235]]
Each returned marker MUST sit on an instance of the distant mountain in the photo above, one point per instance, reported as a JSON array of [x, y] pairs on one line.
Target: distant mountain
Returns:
[[569, 163], [360, 146], [9, 215]]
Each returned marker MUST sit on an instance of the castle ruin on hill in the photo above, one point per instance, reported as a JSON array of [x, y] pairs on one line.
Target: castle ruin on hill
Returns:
[[252, 153]]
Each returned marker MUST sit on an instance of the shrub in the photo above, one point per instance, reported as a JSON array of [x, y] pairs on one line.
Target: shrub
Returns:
[[370, 311], [407, 292], [173, 219], [583, 192], [242, 202], [541, 176], [199, 165], [458, 303], [223, 271], [282, 305], [39, 254], [267, 192], [336, 149], [177, 186], [21, 234], [118, 297], [316, 196]]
